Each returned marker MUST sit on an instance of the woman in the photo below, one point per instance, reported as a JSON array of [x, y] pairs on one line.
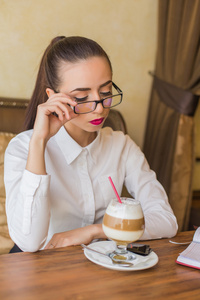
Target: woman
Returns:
[[56, 172]]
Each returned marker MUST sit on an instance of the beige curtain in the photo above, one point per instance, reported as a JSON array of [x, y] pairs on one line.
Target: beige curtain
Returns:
[[169, 138]]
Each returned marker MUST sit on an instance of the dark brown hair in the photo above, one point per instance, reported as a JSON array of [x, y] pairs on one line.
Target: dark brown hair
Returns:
[[61, 49]]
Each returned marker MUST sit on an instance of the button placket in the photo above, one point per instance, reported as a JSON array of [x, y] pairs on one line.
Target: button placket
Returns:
[[87, 190]]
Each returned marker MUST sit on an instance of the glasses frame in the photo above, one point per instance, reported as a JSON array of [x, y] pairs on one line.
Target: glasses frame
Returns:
[[101, 101]]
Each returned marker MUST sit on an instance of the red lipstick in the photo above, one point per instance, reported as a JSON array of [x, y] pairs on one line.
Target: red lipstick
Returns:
[[97, 121]]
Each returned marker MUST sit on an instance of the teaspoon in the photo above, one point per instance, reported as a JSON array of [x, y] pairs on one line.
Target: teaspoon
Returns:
[[114, 261]]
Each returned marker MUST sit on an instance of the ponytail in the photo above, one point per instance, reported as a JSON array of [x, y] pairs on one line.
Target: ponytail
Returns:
[[39, 93]]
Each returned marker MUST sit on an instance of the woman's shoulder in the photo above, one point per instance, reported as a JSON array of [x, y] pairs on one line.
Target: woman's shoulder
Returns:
[[118, 138], [21, 140], [109, 132]]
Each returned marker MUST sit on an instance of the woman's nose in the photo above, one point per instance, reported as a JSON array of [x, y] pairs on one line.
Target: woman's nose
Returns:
[[99, 109]]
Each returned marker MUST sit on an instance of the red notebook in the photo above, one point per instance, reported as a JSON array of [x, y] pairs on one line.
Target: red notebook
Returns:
[[190, 257]]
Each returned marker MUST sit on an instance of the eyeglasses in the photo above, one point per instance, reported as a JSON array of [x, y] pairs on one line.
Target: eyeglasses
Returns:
[[107, 102]]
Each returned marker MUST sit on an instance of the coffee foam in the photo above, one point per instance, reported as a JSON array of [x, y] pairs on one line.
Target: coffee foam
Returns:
[[129, 211]]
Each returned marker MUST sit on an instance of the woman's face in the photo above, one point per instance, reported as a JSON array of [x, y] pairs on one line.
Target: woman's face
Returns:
[[87, 80]]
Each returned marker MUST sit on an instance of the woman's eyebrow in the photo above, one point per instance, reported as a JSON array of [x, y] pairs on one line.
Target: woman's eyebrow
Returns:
[[88, 89], [106, 83], [81, 89]]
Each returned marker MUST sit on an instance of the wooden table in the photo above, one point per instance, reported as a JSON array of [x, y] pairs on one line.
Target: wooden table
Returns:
[[66, 273]]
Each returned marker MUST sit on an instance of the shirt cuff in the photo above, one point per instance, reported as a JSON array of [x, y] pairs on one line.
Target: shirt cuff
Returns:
[[30, 182], [29, 186]]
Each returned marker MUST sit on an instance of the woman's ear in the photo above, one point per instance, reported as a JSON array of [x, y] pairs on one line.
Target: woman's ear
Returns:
[[49, 92]]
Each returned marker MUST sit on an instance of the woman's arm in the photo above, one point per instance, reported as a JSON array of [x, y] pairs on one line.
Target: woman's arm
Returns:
[[142, 184], [83, 235], [47, 125], [26, 181], [27, 197]]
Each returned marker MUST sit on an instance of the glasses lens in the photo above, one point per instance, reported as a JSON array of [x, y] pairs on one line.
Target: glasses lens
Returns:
[[83, 108], [86, 107], [112, 101]]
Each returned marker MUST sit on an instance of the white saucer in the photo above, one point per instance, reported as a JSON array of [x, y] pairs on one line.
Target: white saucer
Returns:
[[140, 263]]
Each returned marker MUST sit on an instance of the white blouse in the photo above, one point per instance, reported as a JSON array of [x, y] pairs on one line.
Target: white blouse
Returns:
[[76, 191]]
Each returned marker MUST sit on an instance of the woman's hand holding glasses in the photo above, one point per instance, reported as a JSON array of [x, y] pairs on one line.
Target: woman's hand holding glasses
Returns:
[[53, 114]]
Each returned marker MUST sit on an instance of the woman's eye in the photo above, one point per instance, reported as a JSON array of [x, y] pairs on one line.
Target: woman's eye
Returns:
[[80, 99], [105, 94]]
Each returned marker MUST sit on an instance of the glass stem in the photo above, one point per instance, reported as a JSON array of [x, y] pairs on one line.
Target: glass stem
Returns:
[[121, 249]]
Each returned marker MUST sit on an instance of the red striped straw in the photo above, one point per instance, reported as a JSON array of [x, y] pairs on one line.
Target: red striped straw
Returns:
[[114, 189]]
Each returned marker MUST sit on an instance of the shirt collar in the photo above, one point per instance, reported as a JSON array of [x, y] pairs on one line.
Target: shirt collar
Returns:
[[71, 149]]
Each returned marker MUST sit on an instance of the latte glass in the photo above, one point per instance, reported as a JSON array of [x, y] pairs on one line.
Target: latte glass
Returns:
[[123, 223]]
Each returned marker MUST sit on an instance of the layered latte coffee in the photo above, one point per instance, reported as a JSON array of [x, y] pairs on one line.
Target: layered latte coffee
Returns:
[[124, 222]]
